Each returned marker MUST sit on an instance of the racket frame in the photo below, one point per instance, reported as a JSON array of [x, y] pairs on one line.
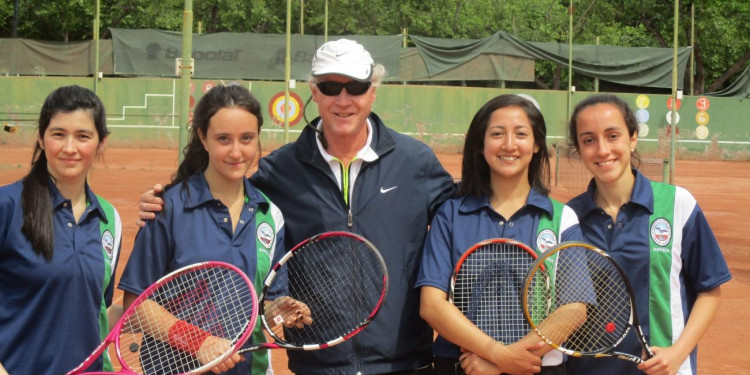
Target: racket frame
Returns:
[[280, 343], [114, 334], [477, 246], [632, 320], [473, 249]]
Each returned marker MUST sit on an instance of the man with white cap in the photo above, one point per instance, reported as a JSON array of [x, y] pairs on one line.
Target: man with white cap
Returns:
[[347, 171]]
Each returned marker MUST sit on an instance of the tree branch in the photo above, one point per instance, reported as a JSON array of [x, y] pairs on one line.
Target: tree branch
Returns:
[[737, 67], [125, 12], [582, 19], [654, 31]]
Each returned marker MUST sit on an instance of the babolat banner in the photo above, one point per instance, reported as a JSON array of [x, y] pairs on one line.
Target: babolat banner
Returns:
[[149, 52]]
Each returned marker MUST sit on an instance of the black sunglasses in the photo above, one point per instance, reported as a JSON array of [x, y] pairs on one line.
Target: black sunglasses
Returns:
[[330, 88]]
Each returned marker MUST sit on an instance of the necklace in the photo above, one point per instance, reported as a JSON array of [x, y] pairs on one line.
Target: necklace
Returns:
[[78, 208]]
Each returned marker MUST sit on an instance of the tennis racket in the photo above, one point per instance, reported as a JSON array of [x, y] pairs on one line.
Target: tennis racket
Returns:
[[574, 275], [337, 280], [185, 323], [485, 287]]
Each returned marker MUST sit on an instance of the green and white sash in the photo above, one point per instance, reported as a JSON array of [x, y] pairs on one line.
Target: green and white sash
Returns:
[[265, 236], [661, 225], [111, 235]]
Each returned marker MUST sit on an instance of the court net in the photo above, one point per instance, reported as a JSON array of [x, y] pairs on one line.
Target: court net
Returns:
[[573, 175]]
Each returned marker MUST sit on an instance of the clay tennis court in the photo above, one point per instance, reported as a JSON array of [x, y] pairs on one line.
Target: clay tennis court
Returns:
[[123, 174]]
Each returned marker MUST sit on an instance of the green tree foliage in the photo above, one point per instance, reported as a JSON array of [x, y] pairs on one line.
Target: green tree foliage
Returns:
[[722, 48]]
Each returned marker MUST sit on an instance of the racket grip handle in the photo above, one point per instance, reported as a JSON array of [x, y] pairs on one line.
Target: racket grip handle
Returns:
[[186, 337]]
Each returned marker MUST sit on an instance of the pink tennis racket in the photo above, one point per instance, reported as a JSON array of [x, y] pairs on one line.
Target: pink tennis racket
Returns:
[[185, 323]]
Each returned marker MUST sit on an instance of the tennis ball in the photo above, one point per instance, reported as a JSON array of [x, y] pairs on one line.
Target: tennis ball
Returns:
[[610, 327]]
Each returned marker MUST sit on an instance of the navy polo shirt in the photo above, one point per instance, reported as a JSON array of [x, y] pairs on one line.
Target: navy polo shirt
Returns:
[[698, 264], [50, 311], [194, 228], [462, 222]]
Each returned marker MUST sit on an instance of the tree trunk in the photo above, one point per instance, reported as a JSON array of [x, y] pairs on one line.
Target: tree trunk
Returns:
[[214, 19], [700, 72], [654, 31], [541, 84], [455, 17], [736, 68], [124, 13]]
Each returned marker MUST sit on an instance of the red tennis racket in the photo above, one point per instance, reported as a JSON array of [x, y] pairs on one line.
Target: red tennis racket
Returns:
[[185, 323], [485, 287], [322, 292], [586, 306]]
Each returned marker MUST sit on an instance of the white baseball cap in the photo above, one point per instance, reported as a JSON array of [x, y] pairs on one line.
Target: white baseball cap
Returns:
[[343, 57]]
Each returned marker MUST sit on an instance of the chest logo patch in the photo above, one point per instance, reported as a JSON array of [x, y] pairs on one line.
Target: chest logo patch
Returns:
[[661, 231], [108, 243], [546, 240], [265, 235]]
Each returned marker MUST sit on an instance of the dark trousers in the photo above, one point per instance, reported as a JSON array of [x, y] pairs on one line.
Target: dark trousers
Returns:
[[451, 366]]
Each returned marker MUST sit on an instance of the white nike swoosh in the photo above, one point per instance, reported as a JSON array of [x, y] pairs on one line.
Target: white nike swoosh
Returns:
[[383, 191]]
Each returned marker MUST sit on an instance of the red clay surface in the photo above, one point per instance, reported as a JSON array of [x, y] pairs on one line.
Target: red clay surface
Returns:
[[123, 174]]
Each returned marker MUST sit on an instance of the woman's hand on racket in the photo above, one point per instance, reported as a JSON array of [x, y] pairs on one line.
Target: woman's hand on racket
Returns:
[[208, 348], [213, 345], [149, 205], [666, 361], [288, 311]]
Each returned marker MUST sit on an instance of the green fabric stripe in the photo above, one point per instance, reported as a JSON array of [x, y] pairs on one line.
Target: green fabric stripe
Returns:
[[548, 223], [109, 211], [260, 358], [345, 178], [345, 182], [660, 314]]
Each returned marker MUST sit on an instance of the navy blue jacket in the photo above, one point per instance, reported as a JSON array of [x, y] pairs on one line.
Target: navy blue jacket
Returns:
[[392, 204]]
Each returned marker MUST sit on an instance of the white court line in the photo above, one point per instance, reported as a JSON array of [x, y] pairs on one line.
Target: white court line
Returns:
[[145, 105]]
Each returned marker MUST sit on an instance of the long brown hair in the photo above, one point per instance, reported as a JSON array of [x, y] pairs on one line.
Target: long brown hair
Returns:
[[219, 97], [475, 172], [35, 197]]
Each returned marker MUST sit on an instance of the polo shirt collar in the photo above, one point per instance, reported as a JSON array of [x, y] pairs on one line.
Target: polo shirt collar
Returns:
[[536, 199], [92, 203], [200, 193], [366, 153], [642, 194]]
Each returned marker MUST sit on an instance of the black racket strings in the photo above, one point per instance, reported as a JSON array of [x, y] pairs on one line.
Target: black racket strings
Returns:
[[341, 280], [486, 290], [582, 275], [215, 299]]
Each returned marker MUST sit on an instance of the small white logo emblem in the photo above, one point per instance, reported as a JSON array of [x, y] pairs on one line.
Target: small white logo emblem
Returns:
[[546, 240], [108, 243], [384, 190], [661, 231], [265, 235]]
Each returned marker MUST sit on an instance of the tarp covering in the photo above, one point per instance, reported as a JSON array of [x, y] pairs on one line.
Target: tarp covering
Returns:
[[634, 66], [740, 88], [32, 57], [486, 66], [148, 52]]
